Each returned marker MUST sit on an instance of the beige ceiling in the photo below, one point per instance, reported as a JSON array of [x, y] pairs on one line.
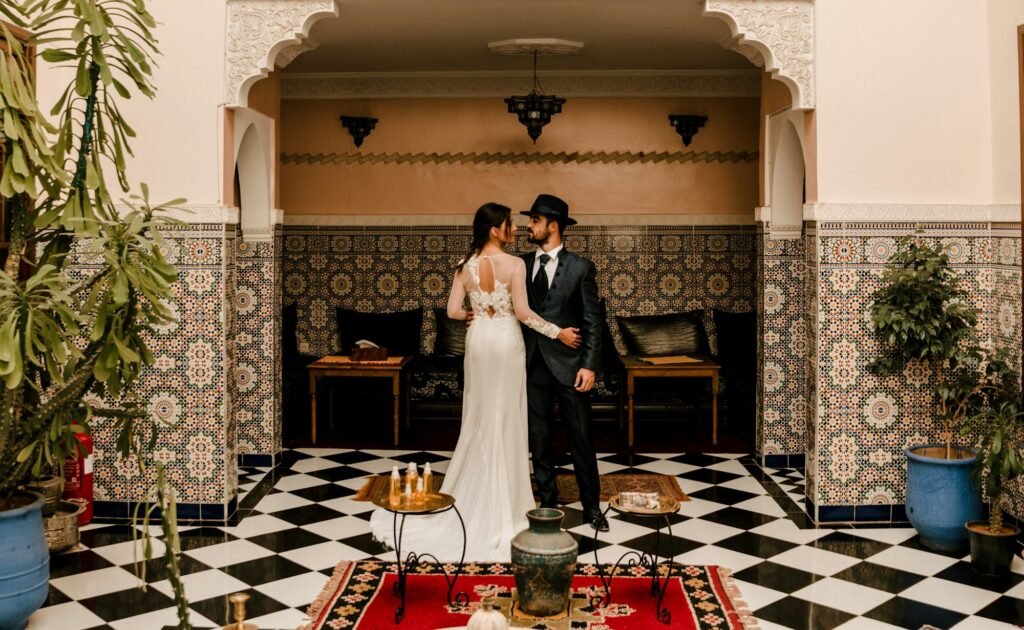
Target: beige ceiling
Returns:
[[452, 35]]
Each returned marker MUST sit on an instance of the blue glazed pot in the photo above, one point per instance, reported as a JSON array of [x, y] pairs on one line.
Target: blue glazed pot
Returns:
[[24, 561], [941, 496], [543, 562]]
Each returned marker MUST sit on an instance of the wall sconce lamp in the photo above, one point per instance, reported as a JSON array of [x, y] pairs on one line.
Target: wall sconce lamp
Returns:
[[359, 127], [687, 125]]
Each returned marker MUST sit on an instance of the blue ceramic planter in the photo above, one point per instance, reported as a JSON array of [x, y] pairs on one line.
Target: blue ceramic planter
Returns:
[[24, 563], [941, 497]]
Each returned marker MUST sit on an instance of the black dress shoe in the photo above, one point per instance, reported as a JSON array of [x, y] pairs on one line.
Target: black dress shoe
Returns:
[[599, 522]]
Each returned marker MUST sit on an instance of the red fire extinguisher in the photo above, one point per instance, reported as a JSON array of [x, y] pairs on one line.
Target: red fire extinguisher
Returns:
[[78, 477]]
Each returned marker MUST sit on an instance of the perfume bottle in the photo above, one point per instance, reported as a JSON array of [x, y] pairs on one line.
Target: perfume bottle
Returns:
[[395, 492], [419, 489], [411, 475], [428, 480]]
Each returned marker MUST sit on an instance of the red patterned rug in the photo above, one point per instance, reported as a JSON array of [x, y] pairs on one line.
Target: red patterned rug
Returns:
[[359, 595]]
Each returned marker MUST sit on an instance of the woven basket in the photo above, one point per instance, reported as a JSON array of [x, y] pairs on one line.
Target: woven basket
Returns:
[[61, 529]]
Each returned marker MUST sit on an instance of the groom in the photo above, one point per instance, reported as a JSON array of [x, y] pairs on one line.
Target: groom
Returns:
[[562, 290]]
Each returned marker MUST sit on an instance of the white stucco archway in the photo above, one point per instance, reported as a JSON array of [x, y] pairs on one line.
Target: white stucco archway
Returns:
[[785, 176], [254, 162]]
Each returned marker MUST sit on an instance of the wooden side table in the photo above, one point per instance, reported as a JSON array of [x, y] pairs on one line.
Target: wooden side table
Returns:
[[636, 368], [395, 368]]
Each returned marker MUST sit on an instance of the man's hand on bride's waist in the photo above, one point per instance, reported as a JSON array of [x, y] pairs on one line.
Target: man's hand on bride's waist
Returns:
[[570, 337]]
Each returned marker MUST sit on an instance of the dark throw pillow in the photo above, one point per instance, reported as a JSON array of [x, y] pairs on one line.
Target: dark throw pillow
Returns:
[[663, 335], [451, 335], [398, 332]]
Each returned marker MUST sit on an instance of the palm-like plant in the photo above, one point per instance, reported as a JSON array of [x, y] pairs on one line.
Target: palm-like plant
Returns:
[[1001, 430], [85, 280]]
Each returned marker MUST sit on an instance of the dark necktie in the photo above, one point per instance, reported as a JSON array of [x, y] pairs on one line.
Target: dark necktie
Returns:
[[540, 281]]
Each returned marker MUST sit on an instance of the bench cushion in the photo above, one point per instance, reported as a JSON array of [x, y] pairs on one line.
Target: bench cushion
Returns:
[[662, 335]]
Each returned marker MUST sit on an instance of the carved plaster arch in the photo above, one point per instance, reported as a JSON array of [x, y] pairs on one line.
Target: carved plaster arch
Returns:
[[776, 34], [259, 31]]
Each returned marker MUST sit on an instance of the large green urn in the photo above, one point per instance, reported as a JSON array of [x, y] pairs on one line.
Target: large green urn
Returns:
[[543, 562]]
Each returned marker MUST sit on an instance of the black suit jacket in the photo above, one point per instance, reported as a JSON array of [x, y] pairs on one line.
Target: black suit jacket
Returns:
[[570, 302]]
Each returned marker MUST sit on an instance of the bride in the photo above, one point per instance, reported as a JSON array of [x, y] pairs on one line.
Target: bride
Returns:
[[489, 472]]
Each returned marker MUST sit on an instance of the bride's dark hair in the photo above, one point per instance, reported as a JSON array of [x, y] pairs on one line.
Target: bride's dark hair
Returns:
[[490, 215]]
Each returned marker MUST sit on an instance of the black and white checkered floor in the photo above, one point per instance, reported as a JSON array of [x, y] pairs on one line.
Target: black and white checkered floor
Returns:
[[300, 520]]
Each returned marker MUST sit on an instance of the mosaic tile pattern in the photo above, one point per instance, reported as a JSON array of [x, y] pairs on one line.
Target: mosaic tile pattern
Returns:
[[1006, 309], [231, 365], [256, 305], [863, 423], [185, 388], [641, 270], [813, 317], [782, 364]]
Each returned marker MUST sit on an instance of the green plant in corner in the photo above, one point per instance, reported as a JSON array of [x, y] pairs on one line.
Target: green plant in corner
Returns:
[[1001, 432], [85, 280], [922, 313]]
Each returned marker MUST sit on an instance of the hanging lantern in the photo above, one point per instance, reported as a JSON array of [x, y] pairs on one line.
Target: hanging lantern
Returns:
[[535, 109]]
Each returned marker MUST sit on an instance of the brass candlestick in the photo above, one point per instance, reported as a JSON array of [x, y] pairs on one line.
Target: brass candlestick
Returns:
[[238, 603]]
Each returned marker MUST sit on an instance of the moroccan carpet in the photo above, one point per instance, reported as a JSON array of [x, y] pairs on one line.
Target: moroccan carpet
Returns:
[[568, 492], [359, 596]]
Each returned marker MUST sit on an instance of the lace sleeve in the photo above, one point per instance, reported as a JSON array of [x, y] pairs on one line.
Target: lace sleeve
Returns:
[[457, 298], [521, 305]]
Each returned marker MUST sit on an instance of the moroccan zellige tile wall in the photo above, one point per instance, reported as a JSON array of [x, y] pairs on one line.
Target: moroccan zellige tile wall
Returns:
[[186, 390], [863, 423], [1006, 310], [811, 286], [640, 270], [782, 365], [257, 379]]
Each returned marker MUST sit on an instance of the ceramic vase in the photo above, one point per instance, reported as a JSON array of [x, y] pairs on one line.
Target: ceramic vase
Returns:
[[543, 562]]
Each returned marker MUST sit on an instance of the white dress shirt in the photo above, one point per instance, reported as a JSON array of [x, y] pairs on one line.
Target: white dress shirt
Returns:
[[550, 267]]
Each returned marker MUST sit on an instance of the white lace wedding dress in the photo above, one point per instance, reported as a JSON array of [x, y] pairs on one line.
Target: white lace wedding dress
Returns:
[[489, 473]]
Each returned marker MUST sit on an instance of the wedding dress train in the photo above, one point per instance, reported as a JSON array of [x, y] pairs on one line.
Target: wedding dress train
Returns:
[[489, 472]]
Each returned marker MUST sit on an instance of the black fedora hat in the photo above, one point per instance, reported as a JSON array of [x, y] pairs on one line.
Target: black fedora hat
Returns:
[[552, 207]]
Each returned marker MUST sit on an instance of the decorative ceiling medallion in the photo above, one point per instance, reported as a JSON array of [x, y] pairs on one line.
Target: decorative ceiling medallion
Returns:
[[541, 46]]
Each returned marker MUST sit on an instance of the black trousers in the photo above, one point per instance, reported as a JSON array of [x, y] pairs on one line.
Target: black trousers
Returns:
[[542, 391]]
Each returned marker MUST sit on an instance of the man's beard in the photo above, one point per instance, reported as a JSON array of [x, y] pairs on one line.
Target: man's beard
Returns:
[[536, 240]]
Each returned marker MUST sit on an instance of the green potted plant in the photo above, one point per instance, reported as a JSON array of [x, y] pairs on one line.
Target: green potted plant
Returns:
[[922, 313], [84, 280], [1001, 433]]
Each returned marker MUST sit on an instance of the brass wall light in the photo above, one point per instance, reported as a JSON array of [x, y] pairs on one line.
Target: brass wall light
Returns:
[[687, 125], [359, 127]]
